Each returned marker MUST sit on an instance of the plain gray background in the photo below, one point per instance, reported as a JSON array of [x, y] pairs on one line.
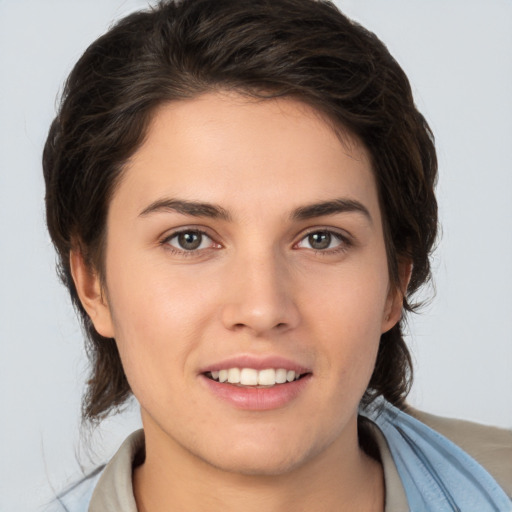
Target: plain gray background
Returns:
[[458, 55]]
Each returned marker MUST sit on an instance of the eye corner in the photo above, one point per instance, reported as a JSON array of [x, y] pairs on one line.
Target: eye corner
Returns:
[[189, 241], [323, 240]]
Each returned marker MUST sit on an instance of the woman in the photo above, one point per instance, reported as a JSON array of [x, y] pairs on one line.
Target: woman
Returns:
[[241, 197]]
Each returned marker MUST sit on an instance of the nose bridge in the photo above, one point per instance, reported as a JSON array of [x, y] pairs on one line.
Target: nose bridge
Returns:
[[259, 294]]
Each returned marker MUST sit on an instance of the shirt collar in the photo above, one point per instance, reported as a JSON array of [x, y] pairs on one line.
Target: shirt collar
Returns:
[[114, 490]]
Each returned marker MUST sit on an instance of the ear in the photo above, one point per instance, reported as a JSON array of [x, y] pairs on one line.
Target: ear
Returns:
[[395, 299], [91, 295]]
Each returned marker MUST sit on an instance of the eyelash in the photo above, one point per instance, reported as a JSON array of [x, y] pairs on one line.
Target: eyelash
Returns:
[[344, 242], [184, 252]]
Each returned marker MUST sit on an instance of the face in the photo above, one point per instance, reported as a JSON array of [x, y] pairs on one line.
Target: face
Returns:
[[246, 282]]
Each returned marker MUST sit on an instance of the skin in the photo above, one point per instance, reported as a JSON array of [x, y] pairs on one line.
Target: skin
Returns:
[[255, 286]]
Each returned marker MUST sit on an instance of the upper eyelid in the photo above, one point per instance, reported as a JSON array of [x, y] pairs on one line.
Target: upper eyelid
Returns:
[[165, 242], [167, 235], [338, 232], [345, 241]]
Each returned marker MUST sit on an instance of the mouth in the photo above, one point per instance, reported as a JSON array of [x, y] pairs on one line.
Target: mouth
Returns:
[[256, 384], [253, 378]]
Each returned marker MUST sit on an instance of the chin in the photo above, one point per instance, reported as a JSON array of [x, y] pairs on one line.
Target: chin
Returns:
[[272, 459], [258, 465]]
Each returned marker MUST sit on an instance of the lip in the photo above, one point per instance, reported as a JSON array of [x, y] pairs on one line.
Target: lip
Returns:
[[258, 363], [256, 398]]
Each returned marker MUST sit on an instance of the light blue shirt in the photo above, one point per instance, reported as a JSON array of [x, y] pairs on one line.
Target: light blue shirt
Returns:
[[437, 475]]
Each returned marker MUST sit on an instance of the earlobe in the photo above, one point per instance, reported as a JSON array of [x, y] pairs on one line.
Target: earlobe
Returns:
[[393, 310], [91, 295], [394, 303]]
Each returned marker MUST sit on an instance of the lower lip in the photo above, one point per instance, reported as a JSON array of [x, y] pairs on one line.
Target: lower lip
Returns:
[[257, 399]]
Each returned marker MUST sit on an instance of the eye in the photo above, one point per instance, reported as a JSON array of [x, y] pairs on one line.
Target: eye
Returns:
[[189, 240], [322, 240]]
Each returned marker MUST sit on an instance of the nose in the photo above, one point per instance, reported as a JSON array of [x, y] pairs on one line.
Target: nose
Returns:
[[259, 296]]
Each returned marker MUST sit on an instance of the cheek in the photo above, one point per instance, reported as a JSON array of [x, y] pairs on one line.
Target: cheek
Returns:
[[351, 302], [157, 321], [347, 318], [150, 295]]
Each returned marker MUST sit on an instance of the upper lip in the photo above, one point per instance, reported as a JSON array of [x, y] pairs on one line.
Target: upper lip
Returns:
[[256, 362]]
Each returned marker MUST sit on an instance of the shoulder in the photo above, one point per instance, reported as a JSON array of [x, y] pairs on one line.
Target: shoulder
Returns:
[[77, 497], [489, 446]]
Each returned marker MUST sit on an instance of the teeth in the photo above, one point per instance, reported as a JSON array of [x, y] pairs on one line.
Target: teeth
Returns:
[[233, 375], [267, 377], [252, 377], [281, 376], [249, 377]]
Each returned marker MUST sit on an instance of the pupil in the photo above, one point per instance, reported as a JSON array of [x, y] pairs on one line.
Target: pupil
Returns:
[[319, 240], [189, 241]]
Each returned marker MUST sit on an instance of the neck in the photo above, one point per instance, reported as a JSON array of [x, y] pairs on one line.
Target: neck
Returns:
[[341, 479]]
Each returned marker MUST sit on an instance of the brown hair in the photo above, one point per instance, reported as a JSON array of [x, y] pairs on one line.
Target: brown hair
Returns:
[[304, 49]]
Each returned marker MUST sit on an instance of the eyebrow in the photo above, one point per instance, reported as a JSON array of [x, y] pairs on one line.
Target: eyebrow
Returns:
[[193, 208], [201, 209], [332, 207]]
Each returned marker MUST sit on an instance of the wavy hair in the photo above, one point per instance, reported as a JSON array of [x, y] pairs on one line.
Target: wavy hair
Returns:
[[305, 49]]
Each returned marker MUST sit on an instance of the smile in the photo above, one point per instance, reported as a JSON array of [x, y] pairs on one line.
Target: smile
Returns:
[[251, 377]]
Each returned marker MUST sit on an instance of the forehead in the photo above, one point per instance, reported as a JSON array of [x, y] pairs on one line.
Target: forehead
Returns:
[[227, 148]]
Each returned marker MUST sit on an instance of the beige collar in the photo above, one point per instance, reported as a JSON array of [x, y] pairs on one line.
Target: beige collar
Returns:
[[114, 489]]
